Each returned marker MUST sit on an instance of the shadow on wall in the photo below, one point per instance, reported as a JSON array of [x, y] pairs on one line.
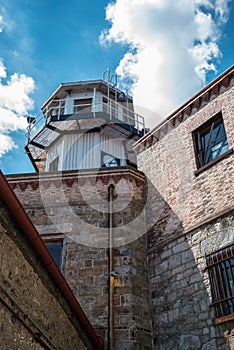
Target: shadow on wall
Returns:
[[179, 284]]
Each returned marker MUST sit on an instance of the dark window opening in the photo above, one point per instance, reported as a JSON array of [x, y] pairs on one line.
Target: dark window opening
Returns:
[[221, 273], [210, 141], [56, 108], [53, 166], [83, 105], [55, 249]]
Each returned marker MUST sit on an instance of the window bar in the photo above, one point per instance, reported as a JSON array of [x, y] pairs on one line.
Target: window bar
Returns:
[[206, 148], [228, 275], [200, 155], [231, 263], [214, 292], [219, 301], [222, 288], [221, 309], [230, 283], [216, 296], [226, 285], [217, 140], [219, 289]]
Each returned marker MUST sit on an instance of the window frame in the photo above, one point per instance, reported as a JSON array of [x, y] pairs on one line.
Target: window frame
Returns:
[[202, 130], [56, 241], [112, 158], [220, 266], [83, 105]]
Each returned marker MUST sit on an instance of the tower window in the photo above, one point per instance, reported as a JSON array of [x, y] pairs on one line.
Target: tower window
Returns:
[[53, 166], [221, 273], [109, 161], [83, 105], [210, 140]]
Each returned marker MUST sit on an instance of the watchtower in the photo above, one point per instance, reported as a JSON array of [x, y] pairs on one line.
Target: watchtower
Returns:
[[84, 125], [88, 203]]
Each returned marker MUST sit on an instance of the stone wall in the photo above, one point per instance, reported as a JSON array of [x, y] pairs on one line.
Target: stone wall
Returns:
[[74, 206], [33, 312], [180, 290]]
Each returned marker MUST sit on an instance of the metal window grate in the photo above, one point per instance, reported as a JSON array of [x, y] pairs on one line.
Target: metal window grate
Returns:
[[221, 273]]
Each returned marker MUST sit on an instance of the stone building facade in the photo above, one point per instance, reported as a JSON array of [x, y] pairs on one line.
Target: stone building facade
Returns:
[[72, 208], [171, 222], [37, 308]]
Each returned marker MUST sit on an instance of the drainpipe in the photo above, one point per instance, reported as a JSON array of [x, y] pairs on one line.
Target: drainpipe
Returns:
[[111, 315]]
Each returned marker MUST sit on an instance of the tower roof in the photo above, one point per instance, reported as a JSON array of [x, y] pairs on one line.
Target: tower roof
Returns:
[[85, 86]]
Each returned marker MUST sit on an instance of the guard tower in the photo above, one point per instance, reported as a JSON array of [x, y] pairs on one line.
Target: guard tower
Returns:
[[92, 215], [85, 124]]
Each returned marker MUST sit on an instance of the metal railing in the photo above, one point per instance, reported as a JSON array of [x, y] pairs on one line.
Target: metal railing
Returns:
[[65, 107]]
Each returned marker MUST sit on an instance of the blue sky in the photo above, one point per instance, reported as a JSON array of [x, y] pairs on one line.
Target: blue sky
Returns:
[[46, 42]]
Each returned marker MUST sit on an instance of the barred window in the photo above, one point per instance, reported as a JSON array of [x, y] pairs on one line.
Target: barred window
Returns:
[[210, 140], [221, 273]]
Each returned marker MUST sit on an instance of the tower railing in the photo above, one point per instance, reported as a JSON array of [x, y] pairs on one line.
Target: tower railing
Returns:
[[58, 108]]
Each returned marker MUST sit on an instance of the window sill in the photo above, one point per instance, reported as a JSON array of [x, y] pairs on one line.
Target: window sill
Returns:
[[223, 319], [210, 164]]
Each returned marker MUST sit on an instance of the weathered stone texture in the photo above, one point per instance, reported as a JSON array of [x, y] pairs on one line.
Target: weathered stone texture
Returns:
[[34, 313], [180, 292], [74, 206]]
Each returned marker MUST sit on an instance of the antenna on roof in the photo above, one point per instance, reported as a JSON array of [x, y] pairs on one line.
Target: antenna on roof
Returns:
[[108, 78]]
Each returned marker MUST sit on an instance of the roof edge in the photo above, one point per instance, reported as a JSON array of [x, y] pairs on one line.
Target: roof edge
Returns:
[[187, 104], [81, 82]]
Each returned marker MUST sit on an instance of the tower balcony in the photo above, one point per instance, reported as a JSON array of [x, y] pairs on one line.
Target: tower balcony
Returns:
[[72, 115]]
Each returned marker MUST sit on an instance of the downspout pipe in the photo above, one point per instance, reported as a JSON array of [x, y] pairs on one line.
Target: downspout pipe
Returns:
[[24, 223], [111, 314]]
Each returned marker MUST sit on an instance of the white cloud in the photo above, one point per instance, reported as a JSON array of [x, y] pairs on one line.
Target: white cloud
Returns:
[[14, 105], [173, 44], [6, 144], [2, 69]]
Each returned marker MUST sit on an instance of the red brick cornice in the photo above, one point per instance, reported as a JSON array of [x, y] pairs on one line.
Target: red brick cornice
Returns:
[[69, 178]]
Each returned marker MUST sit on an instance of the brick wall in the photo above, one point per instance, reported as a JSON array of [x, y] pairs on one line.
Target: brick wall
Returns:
[[184, 213], [170, 166]]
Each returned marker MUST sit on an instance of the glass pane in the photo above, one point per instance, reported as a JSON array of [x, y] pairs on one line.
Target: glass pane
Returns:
[[211, 142], [55, 250]]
